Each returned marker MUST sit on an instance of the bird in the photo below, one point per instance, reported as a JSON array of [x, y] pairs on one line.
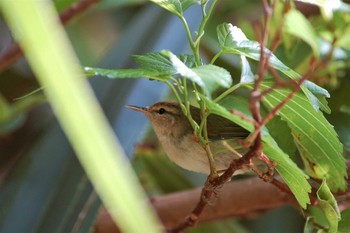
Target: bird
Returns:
[[177, 138]]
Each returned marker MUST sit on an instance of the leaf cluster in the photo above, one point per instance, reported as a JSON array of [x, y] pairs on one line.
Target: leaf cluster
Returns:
[[313, 136]]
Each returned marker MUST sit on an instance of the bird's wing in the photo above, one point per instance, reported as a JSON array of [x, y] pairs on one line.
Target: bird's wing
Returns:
[[220, 128]]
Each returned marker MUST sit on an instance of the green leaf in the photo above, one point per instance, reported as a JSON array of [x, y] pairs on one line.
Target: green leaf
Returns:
[[288, 170], [188, 59], [233, 41], [344, 224], [280, 131], [217, 109], [329, 206], [315, 138], [294, 177], [163, 65], [297, 25], [213, 76], [317, 221], [152, 65], [231, 36], [155, 62], [312, 227], [121, 73], [177, 7], [247, 75], [209, 77]]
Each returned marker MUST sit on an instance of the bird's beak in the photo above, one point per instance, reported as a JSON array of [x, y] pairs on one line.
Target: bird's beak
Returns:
[[139, 109]]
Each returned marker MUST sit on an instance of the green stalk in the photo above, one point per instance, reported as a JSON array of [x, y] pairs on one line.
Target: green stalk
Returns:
[[200, 32], [42, 38], [228, 91], [190, 41], [213, 60]]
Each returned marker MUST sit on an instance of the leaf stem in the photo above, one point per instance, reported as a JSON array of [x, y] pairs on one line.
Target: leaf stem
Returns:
[[216, 56], [228, 91], [190, 40]]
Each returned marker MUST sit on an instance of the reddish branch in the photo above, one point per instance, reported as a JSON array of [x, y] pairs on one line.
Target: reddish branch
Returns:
[[240, 199], [14, 52], [213, 184]]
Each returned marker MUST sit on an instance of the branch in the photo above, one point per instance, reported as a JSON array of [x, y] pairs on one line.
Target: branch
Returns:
[[14, 52], [241, 199]]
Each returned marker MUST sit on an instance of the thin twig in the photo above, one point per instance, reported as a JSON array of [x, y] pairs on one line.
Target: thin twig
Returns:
[[243, 116], [214, 183]]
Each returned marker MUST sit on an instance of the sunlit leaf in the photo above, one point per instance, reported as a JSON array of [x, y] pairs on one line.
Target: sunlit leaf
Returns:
[[164, 65], [297, 25], [156, 62], [209, 77], [121, 73], [315, 138], [233, 44], [213, 76], [177, 7], [288, 170], [329, 206], [247, 74], [294, 177], [188, 59]]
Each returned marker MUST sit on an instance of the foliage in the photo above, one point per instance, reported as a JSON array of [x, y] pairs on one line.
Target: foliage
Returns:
[[278, 97], [314, 137]]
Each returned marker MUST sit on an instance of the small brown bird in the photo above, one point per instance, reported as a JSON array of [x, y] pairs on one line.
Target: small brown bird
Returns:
[[177, 138]]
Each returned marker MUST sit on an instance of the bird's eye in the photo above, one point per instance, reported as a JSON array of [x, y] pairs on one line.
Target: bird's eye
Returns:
[[161, 111]]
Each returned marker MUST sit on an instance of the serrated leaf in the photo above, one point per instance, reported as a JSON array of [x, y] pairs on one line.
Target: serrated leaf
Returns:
[[294, 177], [177, 7], [188, 59], [315, 138], [329, 206], [209, 77], [181, 69], [163, 65], [152, 65], [288, 170], [296, 24], [247, 75], [213, 76], [233, 44], [121, 73], [230, 36], [155, 62]]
